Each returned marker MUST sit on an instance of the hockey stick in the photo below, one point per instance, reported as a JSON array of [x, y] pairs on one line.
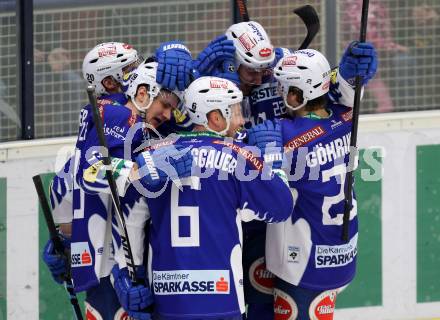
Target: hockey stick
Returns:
[[113, 189], [58, 246], [241, 9], [354, 131], [311, 20]]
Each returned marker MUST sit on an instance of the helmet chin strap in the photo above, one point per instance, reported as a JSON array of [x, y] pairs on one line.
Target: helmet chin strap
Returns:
[[291, 107], [142, 111], [224, 131]]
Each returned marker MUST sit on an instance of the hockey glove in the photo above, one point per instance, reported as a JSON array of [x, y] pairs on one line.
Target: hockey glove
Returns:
[[57, 263], [155, 166], [227, 71], [174, 65], [267, 136], [360, 58], [133, 298], [219, 50]]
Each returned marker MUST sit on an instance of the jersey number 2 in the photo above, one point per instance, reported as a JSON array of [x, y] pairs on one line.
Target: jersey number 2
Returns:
[[339, 170], [177, 212]]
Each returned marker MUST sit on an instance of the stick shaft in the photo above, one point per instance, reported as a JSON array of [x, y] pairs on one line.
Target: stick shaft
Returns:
[[57, 242], [354, 132]]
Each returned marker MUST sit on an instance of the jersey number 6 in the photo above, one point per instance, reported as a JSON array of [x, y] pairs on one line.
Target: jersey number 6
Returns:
[[193, 240]]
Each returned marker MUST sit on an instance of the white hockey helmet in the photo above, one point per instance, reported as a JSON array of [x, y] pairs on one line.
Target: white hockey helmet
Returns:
[[308, 70], [207, 94], [144, 74], [108, 59], [252, 45]]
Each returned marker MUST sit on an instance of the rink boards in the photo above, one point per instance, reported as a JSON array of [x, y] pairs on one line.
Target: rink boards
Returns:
[[398, 190]]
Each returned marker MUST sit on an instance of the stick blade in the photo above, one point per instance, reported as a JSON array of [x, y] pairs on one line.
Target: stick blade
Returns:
[[310, 18]]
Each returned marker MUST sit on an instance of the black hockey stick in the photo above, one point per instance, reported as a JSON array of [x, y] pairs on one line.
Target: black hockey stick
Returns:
[[240, 9], [113, 189], [354, 131], [58, 246], [311, 20]]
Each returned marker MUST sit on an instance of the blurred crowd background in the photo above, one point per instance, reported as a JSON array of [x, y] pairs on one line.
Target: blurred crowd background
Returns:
[[406, 34]]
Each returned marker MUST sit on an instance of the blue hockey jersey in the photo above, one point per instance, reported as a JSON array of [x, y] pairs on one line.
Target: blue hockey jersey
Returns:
[[95, 239], [62, 184], [196, 236], [307, 249]]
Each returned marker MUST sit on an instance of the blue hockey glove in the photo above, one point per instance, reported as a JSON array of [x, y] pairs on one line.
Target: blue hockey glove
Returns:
[[175, 68], [281, 53], [133, 298], [267, 136], [155, 166], [360, 58], [57, 263], [227, 70], [219, 50]]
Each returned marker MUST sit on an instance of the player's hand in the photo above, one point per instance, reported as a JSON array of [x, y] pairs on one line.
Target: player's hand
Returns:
[[360, 58], [267, 136], [227, 70], [167, 162], [175, 65], [57, 263], [218, 51], [133, 298]]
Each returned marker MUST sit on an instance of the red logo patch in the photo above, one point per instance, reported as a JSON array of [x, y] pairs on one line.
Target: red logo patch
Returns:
[[323, 306], [347, 116], [261, 278], [127, 46], [217, 84], [107, 51], [85, 257], [326, 85], [222, 285], [304, 138], [246, 41], [290, 61], [284, 306], [265, 52]]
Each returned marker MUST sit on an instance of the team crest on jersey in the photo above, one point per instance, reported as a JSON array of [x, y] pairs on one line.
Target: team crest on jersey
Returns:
[[305, 137], [285, 308], [261, 278], [323, 306], [80, 254], [293, 254]]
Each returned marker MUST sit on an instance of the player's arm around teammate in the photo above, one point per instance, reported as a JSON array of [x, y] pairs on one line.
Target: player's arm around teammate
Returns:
[[196, 235]]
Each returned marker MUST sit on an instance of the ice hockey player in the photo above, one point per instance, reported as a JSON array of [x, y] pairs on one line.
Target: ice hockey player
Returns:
[[251, 68], [306, 253], [104, 66], [196, 235]]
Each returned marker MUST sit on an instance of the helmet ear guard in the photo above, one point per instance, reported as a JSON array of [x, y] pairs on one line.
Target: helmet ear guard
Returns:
[[308, 70]]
